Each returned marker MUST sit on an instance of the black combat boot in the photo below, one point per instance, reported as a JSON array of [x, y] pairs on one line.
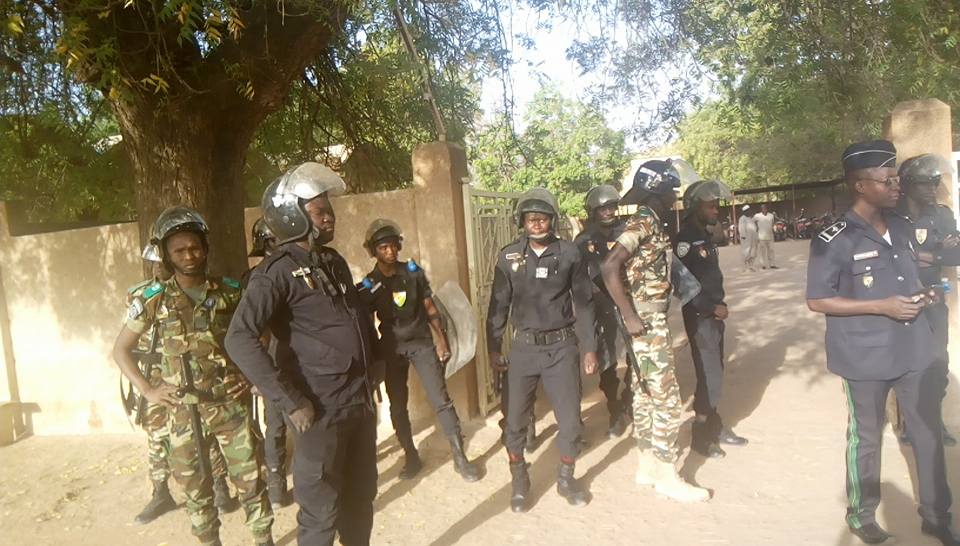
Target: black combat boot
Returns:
[[411, 458], [160, 503], [618, 423], [467, 470], [569, 488], [277, 489], [521, 486], [222, 499]]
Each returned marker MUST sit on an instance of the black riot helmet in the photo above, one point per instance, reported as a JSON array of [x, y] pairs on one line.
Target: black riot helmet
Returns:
[[537, 200], [285, 198], [704, 190], [380, 230], [601, 196], [659, 177], [263, 239], [175, 220], [923, 169]]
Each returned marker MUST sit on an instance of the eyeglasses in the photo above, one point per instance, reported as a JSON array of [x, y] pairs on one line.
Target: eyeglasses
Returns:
[[888, 182]]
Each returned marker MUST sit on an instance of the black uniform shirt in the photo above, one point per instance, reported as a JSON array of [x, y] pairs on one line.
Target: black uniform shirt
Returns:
[[322, 336], [399, 306], [696, 249], [850, 259], [929, 230], [595, 242], [540, 294]]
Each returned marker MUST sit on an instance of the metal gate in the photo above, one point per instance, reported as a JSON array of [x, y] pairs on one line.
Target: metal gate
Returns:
[[490, 226]]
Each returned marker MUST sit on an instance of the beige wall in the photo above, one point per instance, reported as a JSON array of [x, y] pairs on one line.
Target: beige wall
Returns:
[[65, 295]]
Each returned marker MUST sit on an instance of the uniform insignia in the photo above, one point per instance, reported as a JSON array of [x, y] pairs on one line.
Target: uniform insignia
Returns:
[[591, 247], [611, 244], [136, 308], [868, 280], [232, 283], [515, 266], [512, 256], [153, 290], [400, 298], [865, 255], [541, 273], [682, 249], [832, 231], [921, 235], [703, 251], [209, 303]]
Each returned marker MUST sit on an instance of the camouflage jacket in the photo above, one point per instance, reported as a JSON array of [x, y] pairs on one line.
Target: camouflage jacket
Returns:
[[188, 327], [145, 344], [648, 269]]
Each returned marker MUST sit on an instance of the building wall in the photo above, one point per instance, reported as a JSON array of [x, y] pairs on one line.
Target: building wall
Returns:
[[64, 294]]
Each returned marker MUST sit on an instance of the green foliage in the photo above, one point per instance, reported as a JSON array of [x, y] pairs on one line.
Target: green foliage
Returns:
[[566, 148]]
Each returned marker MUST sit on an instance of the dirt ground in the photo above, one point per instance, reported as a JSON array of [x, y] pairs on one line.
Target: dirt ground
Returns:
[[785, 487]]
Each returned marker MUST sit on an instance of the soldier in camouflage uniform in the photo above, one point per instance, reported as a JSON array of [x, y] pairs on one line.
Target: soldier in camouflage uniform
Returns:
[[191, 311], [639, 265], [153, 417]]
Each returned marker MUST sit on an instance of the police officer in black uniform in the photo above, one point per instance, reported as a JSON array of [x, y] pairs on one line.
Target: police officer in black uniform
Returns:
[[595, 241], [275, 437], [704, 316], [864, 277], [541, 284], [401, 296], [935, 237], [304, 295]]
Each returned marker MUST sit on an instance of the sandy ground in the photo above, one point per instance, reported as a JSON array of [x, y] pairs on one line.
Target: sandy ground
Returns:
[[786, 487]]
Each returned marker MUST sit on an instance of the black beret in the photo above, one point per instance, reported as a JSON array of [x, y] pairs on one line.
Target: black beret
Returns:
[[869, 154]]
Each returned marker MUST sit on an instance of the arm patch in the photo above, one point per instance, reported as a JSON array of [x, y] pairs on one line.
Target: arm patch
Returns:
[[831, 232]]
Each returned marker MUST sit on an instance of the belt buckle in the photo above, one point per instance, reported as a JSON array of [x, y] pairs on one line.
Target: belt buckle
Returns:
[[539, 339]]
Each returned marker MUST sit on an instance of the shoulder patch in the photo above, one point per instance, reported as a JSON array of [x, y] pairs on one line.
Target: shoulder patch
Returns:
[[231, 282], [683, 248], [831, 232], [153, 290], [135, 310]]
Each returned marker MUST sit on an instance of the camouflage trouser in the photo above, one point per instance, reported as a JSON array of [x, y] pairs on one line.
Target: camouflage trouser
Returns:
[[231, 425], [656, 395], [157, 426]]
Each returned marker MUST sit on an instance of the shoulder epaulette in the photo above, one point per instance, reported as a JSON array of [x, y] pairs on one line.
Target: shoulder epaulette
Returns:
[[231, 282], [154, 289], [831, 232], [139, 286]]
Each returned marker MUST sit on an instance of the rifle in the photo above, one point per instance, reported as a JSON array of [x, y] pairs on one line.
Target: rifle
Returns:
[[188, 389]]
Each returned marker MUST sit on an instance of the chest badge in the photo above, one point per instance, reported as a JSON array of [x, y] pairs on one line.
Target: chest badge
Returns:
[[591, 248], [611, 244], [515, 266], [400, 298], [703, 252], [868, 280], [921, 234], [541, 272]]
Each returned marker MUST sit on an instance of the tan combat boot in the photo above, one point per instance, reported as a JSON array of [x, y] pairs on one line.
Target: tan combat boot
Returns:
[[669, 483], [645, 468]]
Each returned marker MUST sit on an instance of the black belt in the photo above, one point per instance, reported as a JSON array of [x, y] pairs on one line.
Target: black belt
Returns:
[[545, 338]]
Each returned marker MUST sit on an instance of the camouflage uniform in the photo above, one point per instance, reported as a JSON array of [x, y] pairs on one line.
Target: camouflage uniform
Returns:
[[199, 329], [656, 401], [154, 419]]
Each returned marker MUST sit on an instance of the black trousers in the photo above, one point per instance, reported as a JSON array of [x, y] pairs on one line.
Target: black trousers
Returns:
[[706, 346], [275, 442], [607, 333], [430, 370], [918, 395], [335, 481], [557, 365]]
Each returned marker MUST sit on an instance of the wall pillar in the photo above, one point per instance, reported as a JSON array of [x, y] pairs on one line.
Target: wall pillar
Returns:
[[921, 127], [439, 169]]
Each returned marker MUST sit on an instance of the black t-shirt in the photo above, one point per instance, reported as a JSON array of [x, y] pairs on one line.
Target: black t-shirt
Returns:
[[398, 303]]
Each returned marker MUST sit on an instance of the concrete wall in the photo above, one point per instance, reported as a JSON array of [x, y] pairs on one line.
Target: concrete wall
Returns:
[[64, 296]]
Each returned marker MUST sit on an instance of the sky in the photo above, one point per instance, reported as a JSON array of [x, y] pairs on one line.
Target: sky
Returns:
[[546, 62]]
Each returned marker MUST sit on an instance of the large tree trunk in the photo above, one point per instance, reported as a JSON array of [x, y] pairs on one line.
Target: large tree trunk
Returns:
[[193, 158], [187, 142]]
